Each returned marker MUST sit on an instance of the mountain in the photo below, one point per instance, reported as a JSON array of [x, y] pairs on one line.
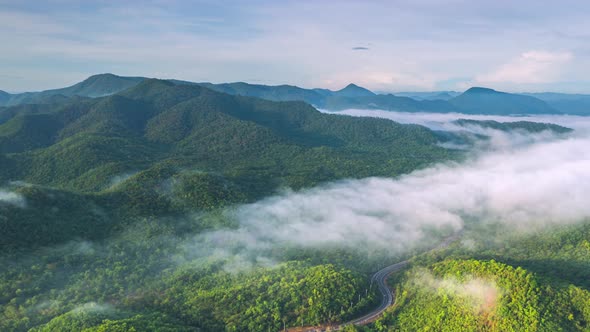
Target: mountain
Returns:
[[479, 100], [352, 96], [123, 212], [4, 97], [94, 86], [243, 147], [474, 100], [274, 93], [576, 104], [98, 86], [353, 91], [389, 103], [532, 127], [430, 95]]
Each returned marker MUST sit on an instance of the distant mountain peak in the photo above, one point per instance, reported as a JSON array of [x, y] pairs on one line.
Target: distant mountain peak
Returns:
[[478, 89], [353, 90], [157, 81], [478, 100], [104, 75], [352, 86]]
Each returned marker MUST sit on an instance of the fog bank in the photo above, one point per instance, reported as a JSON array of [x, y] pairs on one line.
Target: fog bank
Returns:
[[523, 187]]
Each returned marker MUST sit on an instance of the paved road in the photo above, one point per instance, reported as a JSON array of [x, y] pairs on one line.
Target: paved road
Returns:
[[380, 278]]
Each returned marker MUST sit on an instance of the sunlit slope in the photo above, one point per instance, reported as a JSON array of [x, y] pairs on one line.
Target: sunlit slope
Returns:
[[160, 148], [472, 295]]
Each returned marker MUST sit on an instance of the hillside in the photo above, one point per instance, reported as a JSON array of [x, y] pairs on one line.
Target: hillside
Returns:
[[576, 104], [472, 101], [430, 95], [99, 193], [123, 212], [531, 127], [4, 97], [94, 86], [487, 101], [353, 91], [535, 282], [237, 148]]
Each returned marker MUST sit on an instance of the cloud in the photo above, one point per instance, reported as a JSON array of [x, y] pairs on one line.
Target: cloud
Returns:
[[93, 307], [444, 121], [12, 198], [524, 187], [482, 294], [360, 48], [52, 46], [529, 67]]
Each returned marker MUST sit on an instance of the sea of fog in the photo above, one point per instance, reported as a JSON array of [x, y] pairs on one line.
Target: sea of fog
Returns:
[[521, 187], [543, 182]]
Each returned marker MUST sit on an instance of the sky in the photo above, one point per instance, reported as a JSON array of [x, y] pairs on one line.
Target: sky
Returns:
[[386, 46]]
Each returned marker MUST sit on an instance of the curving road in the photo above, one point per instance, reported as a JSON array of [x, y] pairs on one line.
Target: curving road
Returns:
[[380, 278]]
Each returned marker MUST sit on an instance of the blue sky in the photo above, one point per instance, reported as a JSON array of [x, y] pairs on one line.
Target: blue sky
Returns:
[[383, 45]]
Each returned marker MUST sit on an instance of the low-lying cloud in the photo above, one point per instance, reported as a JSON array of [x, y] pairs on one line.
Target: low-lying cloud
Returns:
[[444, 121], [522, 187], [480, 294], [12, 198]]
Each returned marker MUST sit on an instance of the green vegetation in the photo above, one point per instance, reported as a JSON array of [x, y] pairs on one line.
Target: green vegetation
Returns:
[[474, 100], [531, 127], [111, 201], [487, 101], [532, 283], [155, 275], [116, 216], [188, 148]]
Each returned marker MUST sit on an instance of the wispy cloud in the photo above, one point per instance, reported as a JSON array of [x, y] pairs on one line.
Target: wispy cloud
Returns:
[[530, 67], [481, 294], [12, 198], [543, 183], [302, 45]]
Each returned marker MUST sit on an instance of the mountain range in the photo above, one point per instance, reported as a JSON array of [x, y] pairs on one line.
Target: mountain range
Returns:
[[473, 101], [211, 148], [120, 199]]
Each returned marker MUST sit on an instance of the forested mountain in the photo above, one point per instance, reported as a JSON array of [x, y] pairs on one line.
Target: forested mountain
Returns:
[[353, 91], [487, 101], [4, 97], [474, 100], [274, 93], [118, 214], [578, 104], [94, 86], [532, 283], [431, 95], [215, 148], [90, 185], [532, 127]]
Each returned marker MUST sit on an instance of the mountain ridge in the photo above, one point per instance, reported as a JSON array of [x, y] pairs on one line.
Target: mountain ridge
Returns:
[[351, 96]]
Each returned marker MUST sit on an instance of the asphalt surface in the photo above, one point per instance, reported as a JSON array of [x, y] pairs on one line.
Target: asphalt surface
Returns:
[[380, 278]]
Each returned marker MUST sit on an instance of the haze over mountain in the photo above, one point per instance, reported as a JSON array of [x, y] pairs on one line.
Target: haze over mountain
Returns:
[[473, 101], [432, 95], [171, 205], [565, 103], [248, 146], [487, 101], [250, 166]]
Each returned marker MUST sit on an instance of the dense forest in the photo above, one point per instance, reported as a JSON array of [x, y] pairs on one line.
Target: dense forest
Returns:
[[118, 214], [104, 202]]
